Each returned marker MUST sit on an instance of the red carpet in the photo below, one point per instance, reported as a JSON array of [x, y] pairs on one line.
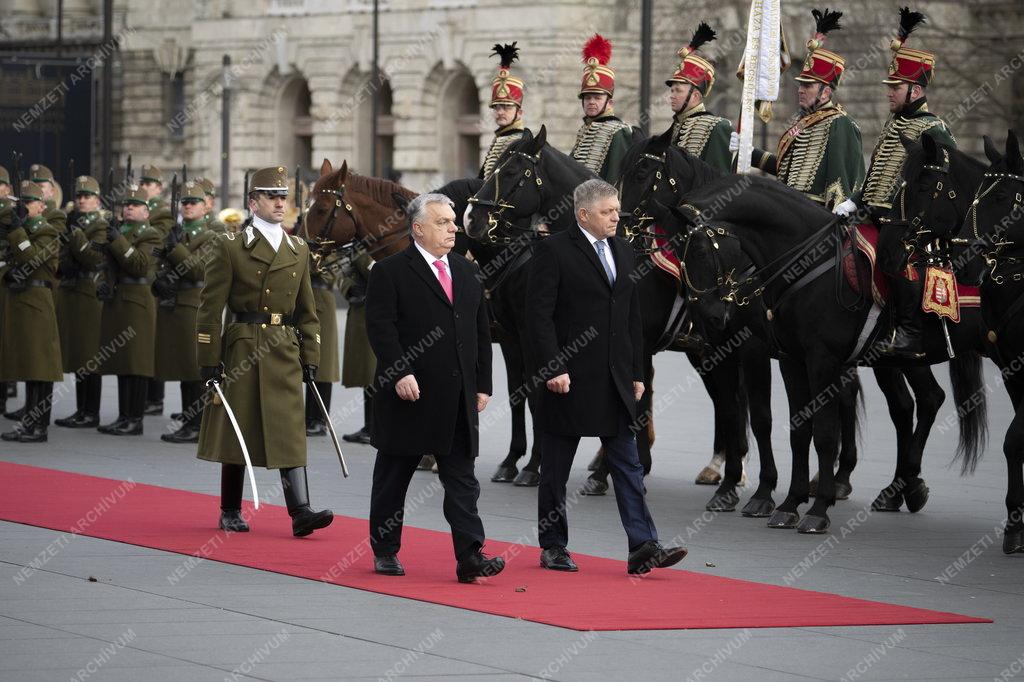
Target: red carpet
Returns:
[[600, 597]]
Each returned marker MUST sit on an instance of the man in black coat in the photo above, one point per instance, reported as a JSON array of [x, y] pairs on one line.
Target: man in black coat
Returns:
[[427, 323], [584, 326]]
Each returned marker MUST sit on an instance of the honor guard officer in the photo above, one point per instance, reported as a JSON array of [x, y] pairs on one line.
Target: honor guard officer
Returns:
[[6, 214], [79, 310], [507, 105], [29, 346], [695, 129], [910, 72], [821, 154], [268, 347], [603, 139], [161, 217], [129, 316], [43, 176], [209, 195], [178, 286]]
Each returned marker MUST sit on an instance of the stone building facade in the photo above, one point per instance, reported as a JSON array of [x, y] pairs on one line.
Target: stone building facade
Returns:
[[301, 80]]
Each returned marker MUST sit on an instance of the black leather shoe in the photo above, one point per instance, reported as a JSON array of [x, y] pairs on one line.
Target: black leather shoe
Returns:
[[129, 427], [34, 435], [116, 424], [188, 433], [361, 436], [231, 520], [388, 565], [154, 408], [316, 428], [79, 420], [594, 486], [14, 435], [178, 416], [652, 555], [305, 522], [15, 415], [296, 497], [476, 565], [558, 559]]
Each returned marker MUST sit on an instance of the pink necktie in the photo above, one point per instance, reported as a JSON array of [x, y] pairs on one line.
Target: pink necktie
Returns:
[[446, 281]]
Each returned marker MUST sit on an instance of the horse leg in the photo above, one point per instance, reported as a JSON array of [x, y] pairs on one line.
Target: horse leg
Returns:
[[929, 397], [711, 474], [798, 395], [529, 477], [757, 375], [848, 437], [827, 381], [1013, 449], [725, 377], [507, 470], [901, 411]]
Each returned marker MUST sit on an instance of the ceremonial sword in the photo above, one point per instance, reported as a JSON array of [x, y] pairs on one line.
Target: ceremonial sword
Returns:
[[330, 427], [241, 441]]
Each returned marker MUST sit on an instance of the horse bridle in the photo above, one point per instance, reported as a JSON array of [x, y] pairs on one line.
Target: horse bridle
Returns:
[[993, 257], [348, 251], [496, 207], [636, 230]]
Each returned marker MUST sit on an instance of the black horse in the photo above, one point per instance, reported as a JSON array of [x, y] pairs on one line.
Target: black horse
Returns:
[[994, 235], [733, 364], [813, 322], [528, 196]]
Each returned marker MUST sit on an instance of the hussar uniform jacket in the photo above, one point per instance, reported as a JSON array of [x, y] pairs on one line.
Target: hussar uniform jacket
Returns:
[[704, 135], [601, 144], [503, 139]]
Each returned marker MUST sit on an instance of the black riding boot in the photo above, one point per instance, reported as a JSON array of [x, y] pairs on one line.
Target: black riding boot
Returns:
[[93, 393], [154, 400], [122, 400], [24, 421], [316, 425], [906, 305], [87, 415], [14, 415], [134, 405], [232, 478], [191, 415], [296, 496], [37, 417], [363, 434]]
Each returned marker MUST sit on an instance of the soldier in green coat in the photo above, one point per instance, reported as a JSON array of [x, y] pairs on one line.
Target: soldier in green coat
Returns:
[[695, 129], [79, 310], [161, 217], [262, 352], [603, 139], [178, 286], [910, 72], [128, 325], [29, 346], [328, 371], [6, 215], [358, 363], [209, 195], [821, 154]]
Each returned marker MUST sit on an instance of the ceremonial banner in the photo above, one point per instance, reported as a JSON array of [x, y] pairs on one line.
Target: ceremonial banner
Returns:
[[761, 74]]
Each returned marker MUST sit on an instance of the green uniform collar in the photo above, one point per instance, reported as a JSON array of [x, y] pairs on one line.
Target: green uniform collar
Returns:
[[129, 228], [194, 227], [33, 224]]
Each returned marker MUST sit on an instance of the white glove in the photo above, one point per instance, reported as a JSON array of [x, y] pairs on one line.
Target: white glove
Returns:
[[734, 141], [845, 208]]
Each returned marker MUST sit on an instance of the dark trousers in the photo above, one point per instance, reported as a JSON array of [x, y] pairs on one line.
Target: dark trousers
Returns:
[[391, 477], [621, 458]]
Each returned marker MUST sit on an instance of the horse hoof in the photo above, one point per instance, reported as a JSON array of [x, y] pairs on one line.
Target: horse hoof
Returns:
[[723, 502], [916, 495], [783, 519], [527, 479], [596, 462], [813, 525], [843, 491], [758, 508], [1013, 541], [708, 476], [888, 501], [505, 474], [594, 487], [427, 463]]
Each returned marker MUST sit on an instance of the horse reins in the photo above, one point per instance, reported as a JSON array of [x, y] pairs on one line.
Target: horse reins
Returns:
[[496, 218]]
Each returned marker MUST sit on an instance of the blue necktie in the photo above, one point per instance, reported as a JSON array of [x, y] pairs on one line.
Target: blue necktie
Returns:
[[600, 246]]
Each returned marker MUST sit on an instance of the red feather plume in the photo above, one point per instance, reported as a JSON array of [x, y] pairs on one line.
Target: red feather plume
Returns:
[[599, 47]]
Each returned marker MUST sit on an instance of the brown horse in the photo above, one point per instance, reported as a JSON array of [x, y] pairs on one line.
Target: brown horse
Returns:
[[351, 214]]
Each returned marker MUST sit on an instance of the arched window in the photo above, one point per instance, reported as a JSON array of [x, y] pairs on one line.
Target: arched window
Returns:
[[295, 126], [385, 129], [459, 127]]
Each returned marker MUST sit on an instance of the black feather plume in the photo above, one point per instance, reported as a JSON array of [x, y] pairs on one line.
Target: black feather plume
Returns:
[[703, 34], [826, 21], [507, 53], [909, 21]]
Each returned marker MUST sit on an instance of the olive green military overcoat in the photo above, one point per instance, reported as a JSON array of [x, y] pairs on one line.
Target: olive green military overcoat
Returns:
[[262, 362], [329, 370], [79, 312], [358, 362]]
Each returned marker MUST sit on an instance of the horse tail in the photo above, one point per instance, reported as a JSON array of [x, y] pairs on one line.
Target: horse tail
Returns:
[[969, 396]]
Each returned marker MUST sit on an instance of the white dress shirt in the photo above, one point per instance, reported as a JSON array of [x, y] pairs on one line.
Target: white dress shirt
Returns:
[[431, 259], [272, 231], [608, 255]]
